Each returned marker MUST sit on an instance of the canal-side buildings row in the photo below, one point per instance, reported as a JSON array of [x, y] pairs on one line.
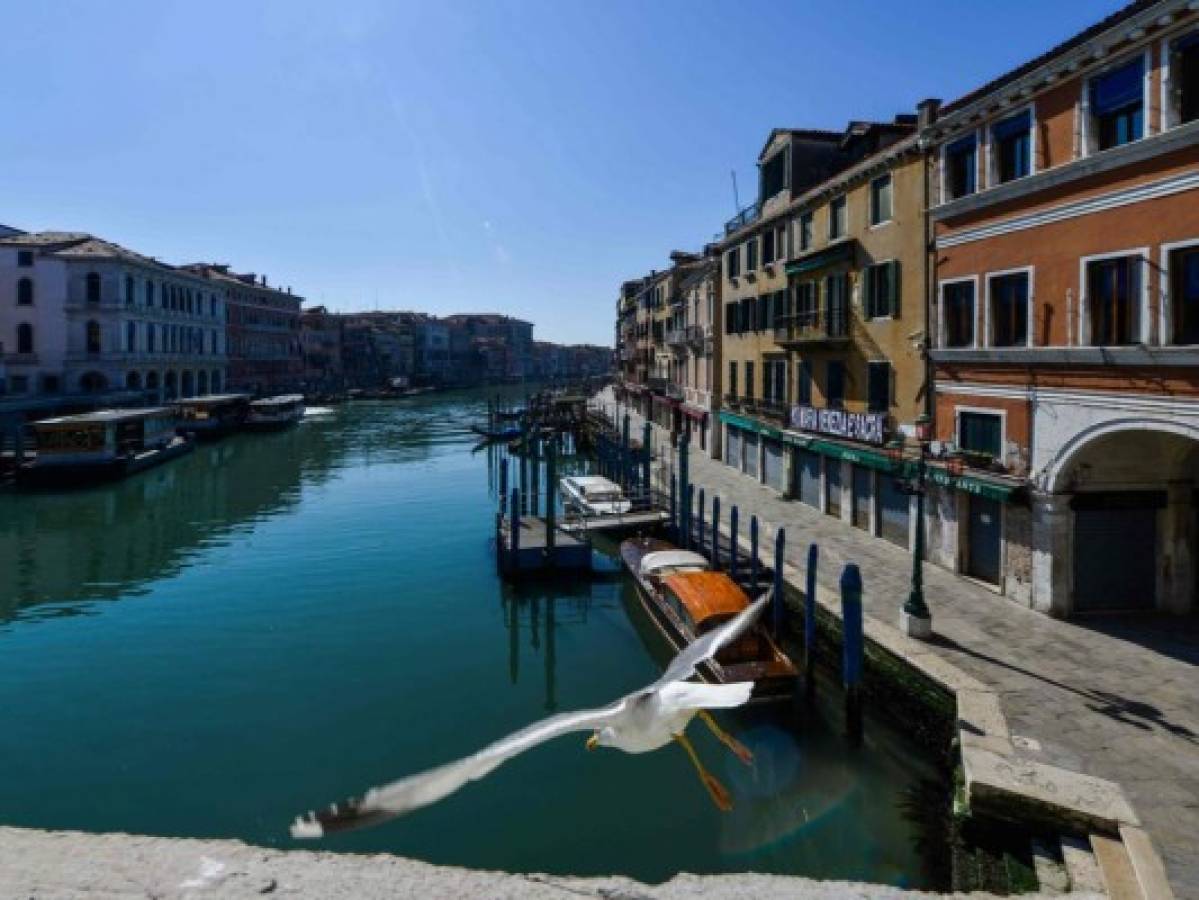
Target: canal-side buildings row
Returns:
[[1006, 286]]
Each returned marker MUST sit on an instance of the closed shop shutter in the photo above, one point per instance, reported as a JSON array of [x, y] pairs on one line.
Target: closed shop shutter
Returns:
[[832, 485], [893, 510], [863, 496], [774, 465], [732, 448], [1115, 544], [751, 454], [807, 469]]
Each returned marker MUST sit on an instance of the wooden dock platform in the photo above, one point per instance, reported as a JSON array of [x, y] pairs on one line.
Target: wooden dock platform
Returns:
[[530, 551]]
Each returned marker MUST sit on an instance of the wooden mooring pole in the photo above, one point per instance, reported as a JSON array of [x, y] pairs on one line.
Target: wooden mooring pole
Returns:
[[851, 650]]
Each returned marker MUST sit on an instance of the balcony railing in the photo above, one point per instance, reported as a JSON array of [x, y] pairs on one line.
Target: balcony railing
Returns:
[[694, 335], [659, 385], [773, 408], [830, 324], [676, 336], [743, 218]]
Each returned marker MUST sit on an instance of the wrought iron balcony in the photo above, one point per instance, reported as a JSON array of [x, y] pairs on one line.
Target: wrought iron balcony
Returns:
[[658, 385], [676, 337], [694, 335], [743, 218], [828, 325], [773, 408]]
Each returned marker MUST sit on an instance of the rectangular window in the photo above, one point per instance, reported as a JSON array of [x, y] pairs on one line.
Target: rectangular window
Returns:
[[1184, 295], [1011, 146], [25, 258], [732, 262], [807, 310], [805, 231], [1117, 105], [732, 379], [730, 318], [836, 305], [961, 168], [957, 314], [804, 388], [1184, 77], [1009, 310], [150, 331], [769, 246], [749, 379], [878, 386], [1113, 301], [751, 254], [834, 390], [130, 337], [774, 175], [880, 290], [836, 218], [780, 241], [880, 200], [980, 432]]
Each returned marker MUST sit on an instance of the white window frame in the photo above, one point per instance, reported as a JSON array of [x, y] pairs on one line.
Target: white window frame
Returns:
[[973, 279], [978, 164], [870, 201], [1165, 320], [988, 336], [1084, 317], [1088, 141], [844, 200], [985, 410], [992, 162]]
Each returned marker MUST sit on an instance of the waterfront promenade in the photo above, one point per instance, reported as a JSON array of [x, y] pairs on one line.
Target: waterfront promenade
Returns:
[[1114, 698]]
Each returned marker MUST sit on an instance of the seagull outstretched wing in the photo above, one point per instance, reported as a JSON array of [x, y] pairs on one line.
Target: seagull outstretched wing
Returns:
[[391, 800], [684, 665]]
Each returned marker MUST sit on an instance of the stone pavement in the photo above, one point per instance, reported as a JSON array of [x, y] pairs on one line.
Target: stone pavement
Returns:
[[1116, 698]]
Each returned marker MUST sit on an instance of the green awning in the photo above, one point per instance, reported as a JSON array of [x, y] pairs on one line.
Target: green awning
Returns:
[[861, 456], [821, 258], [748, 424], [971, 484]]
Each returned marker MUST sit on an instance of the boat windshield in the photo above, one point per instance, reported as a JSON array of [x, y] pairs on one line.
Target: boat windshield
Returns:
[[750, 647]]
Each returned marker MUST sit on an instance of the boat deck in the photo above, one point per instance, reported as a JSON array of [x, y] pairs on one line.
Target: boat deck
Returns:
[[630, 521]]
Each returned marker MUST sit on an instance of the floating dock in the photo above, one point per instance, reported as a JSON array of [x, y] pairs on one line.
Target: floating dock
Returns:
[[530, 545]]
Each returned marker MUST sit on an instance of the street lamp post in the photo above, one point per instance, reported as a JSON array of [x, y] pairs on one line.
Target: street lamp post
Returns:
[[916, 619]]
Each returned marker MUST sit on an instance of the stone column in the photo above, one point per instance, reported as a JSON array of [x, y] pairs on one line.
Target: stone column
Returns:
[[1176, 562], [1052, 554]]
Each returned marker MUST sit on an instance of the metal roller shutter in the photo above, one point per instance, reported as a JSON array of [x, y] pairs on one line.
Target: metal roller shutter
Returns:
[[732, 447], [893, 511], [774, 465], [751, 454], [807, 468], [1115, 543]]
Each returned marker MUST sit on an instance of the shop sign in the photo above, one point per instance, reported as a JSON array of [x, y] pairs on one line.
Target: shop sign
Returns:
[[865, 427]]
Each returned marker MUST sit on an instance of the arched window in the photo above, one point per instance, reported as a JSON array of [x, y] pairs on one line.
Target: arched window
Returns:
[[25, 292], [128, 290], [93, 336], [24, 338], [93, 287]]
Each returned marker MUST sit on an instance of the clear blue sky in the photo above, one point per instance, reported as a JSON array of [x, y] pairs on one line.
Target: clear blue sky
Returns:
[[523, 157]]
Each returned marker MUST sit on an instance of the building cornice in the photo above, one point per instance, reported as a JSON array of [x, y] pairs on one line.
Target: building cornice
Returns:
[[1139, 355], [1068, 64]]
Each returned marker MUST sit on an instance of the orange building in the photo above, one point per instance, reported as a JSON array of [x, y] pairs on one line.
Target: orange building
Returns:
[[1064, 319]]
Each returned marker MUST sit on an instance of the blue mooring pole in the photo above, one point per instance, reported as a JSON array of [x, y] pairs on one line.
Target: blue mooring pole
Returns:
[[514, 524], [809, 619], [647, 449], [753, 554], [733, 543], [716, 532], [778, 605], [551, 493], [624, 454], [688, 501], [503, 480], [674, 508], [851, 658], [684, 484], [699, 526]]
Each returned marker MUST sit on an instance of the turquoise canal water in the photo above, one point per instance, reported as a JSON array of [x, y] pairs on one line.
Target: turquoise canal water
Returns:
[[278, 621]]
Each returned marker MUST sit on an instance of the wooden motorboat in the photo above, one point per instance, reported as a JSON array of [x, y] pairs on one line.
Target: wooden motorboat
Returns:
[[685, 599], [102, 446], [274, 413], [594, 495], [212, 415]]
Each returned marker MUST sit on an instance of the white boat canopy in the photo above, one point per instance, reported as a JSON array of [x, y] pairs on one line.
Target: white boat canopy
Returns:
[[655, 562], [592, 485]]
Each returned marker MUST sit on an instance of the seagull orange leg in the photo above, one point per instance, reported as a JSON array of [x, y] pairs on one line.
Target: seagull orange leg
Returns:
[[743, 753], [720, 796]]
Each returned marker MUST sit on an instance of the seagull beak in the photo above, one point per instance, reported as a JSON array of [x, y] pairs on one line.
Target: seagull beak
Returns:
[[592, 742]]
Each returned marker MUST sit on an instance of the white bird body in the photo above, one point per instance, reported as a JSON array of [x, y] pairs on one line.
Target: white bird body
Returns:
[[640, 722]]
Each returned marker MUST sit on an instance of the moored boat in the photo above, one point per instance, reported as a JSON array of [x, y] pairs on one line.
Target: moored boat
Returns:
[[594, 495], [102, 445], [685, 599], [273, 413], [212, 415]]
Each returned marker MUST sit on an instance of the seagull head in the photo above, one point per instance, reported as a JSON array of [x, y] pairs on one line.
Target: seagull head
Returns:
[[604, 737]]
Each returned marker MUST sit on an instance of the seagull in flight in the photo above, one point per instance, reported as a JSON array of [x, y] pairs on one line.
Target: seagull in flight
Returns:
[[644, 720]]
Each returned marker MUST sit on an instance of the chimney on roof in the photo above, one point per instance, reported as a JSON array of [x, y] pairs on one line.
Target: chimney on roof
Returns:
[[926, 112], [264, 281], [905, 119]]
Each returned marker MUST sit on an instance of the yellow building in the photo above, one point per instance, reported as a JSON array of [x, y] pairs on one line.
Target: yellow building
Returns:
[[824, 311]]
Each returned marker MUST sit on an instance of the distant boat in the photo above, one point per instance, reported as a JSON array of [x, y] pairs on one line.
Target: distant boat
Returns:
[[102, 446], [685, 599], [274, 413], [593, 495], [212, 415]]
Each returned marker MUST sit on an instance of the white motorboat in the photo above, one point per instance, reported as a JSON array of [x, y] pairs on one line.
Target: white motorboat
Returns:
[[594, 495]]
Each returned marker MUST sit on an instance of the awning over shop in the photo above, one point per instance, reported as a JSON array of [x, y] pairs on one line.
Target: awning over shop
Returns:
[[855, 453], [821, 258], [992, 488], [747, 424]]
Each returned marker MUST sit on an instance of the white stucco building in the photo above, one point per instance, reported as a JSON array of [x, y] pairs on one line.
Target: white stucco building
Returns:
[[79, 314]]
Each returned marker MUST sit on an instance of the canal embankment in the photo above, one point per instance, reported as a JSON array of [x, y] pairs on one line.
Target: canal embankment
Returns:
[[1054, 721], [50, 865]]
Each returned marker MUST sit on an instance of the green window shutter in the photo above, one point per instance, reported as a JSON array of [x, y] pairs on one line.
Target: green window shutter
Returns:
[[868, 292], [893, 287]]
